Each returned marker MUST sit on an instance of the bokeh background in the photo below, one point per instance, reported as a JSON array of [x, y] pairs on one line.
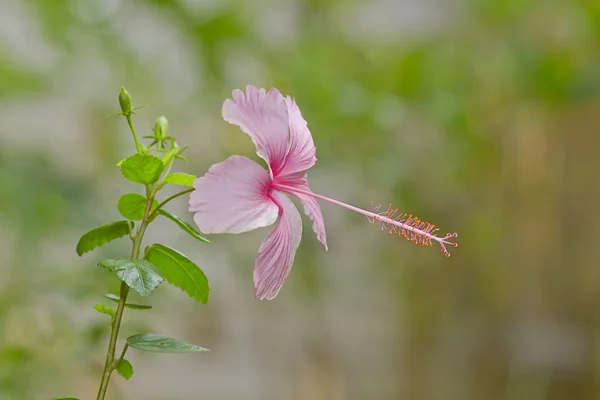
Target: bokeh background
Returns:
[[481, 116]]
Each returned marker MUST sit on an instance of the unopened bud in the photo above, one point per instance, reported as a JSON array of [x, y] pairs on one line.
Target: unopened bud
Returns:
[[161, 127], [125, 102]]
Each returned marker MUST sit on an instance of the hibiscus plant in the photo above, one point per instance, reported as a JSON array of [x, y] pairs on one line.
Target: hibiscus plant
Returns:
[[234, 196]]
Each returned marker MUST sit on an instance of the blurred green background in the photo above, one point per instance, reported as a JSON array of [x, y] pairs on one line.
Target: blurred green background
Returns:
[[481, 116]]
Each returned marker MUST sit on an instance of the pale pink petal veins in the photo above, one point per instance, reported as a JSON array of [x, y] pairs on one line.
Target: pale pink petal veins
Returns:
[[232, 197], [301, 154], [276, 254], [311, 207], [264, 116]]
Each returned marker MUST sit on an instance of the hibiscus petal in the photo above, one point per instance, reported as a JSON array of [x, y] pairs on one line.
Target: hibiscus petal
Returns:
[[301, 154], [276, 254], [232, 197], [264, 116], [311, 207], [313, 211]]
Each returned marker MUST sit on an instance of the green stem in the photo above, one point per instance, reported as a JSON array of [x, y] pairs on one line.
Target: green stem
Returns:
[[168, 170], [135, 139], [110, 354], [111, 362], [123, 352], [168, 199]]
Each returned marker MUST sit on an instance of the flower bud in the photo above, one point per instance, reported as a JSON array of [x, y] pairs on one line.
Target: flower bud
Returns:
[[125, 102], [161, 127]]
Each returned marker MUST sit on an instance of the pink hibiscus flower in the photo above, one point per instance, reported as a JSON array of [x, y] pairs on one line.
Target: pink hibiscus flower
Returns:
[[239, 195]]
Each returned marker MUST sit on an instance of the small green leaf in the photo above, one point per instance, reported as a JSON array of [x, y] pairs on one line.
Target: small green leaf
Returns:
[[125, 369], [101, 308], [179, 271], [133, 306], [140, 275], [181, 178], [162, 344], [142, 168], [133, 206], [185, 226], [103, 234], [64, 398], [169, 155]]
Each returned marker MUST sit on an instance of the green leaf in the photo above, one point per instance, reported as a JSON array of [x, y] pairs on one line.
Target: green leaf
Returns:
[[181, 178], [64, 398], [133, 306], [162, 344], [101, 308], [125, 369], [179, 271], [133, 206], [102, 235], [174, 152], [142, 168], [185, 226], [166, 159], [140, 275]]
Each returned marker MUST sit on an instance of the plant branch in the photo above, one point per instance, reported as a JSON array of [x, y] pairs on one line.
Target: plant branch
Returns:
[[123, 353], [168, 199], [168, 170], [132, 129]]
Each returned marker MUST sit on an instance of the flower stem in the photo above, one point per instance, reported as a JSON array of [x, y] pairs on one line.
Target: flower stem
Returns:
[[135, 139], [168, 170], [168, 199], [111, 362]]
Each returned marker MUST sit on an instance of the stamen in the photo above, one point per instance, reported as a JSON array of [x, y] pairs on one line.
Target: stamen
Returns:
[[410, 227], [390, 221], [374, 209]]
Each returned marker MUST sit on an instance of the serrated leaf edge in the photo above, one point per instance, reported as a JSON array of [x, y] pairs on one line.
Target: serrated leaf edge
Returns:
[[157, 245], [140, 154], [199, 350], [80, 253], [129, 259]]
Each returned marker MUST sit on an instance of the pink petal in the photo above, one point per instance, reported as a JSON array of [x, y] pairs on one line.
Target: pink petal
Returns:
[[311, 207], [264, 117], [276, 254], [313, 211], [232, 197], [301, 151]]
